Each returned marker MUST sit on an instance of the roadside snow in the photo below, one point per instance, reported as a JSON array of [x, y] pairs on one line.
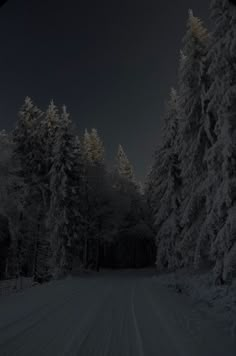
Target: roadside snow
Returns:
[[219, 301], [10, 286]]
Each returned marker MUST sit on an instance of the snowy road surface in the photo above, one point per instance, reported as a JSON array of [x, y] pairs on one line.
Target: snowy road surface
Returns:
[[108, 314]]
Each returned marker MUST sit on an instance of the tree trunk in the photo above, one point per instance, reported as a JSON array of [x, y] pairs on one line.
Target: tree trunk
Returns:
[[85, 257], [98, 255], [36, 254], [6, 268]]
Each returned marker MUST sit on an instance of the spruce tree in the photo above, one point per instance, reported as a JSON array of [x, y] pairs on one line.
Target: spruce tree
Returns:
[[26, 140], [192, 140], [65, 185], [95, 199], [27, 151], [93, 148], [166, 188], [123, 165], [220, 222]]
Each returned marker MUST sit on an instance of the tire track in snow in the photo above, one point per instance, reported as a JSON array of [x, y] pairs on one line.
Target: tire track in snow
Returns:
[[69, 319], [106, 351], [136, 327], [33, 327], [31, 323], [112, 331], [37, 308], [156, 340], [173, 336], [104, 335], [120, 306], [85, 328], [14, 341], [28, 316]]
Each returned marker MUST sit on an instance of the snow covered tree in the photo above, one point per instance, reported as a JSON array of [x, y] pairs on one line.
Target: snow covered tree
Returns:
[[6, 148], [123, 165], [151, 185], [27, 150], [5, 235], [123, 176], [65, 188], [93, 147], [134, 229], [25, 137], [124, 179], [192, 140], [205, 146], [48, 131], [220, 224], [94, 195], [12, 196], [165, 181]]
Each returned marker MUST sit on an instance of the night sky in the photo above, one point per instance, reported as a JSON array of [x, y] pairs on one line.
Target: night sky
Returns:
[[111, 62]]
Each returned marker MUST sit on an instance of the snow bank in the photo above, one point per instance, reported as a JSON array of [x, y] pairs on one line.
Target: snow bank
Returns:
[[10, 286], [219, 301]]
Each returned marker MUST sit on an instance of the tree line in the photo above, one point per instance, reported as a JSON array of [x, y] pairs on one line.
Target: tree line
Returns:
[[62, 208]]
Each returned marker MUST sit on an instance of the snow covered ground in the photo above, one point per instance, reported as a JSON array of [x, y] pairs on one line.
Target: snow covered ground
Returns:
[[220, 301], [109, 314]]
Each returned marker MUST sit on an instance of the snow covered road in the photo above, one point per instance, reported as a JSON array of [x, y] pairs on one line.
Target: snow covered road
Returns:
[[108, 314]]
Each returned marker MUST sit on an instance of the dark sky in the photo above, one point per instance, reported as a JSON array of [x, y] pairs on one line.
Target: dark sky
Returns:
[[111, 62]]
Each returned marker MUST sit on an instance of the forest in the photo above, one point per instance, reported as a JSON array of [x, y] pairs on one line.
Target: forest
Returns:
[[63, 208]]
